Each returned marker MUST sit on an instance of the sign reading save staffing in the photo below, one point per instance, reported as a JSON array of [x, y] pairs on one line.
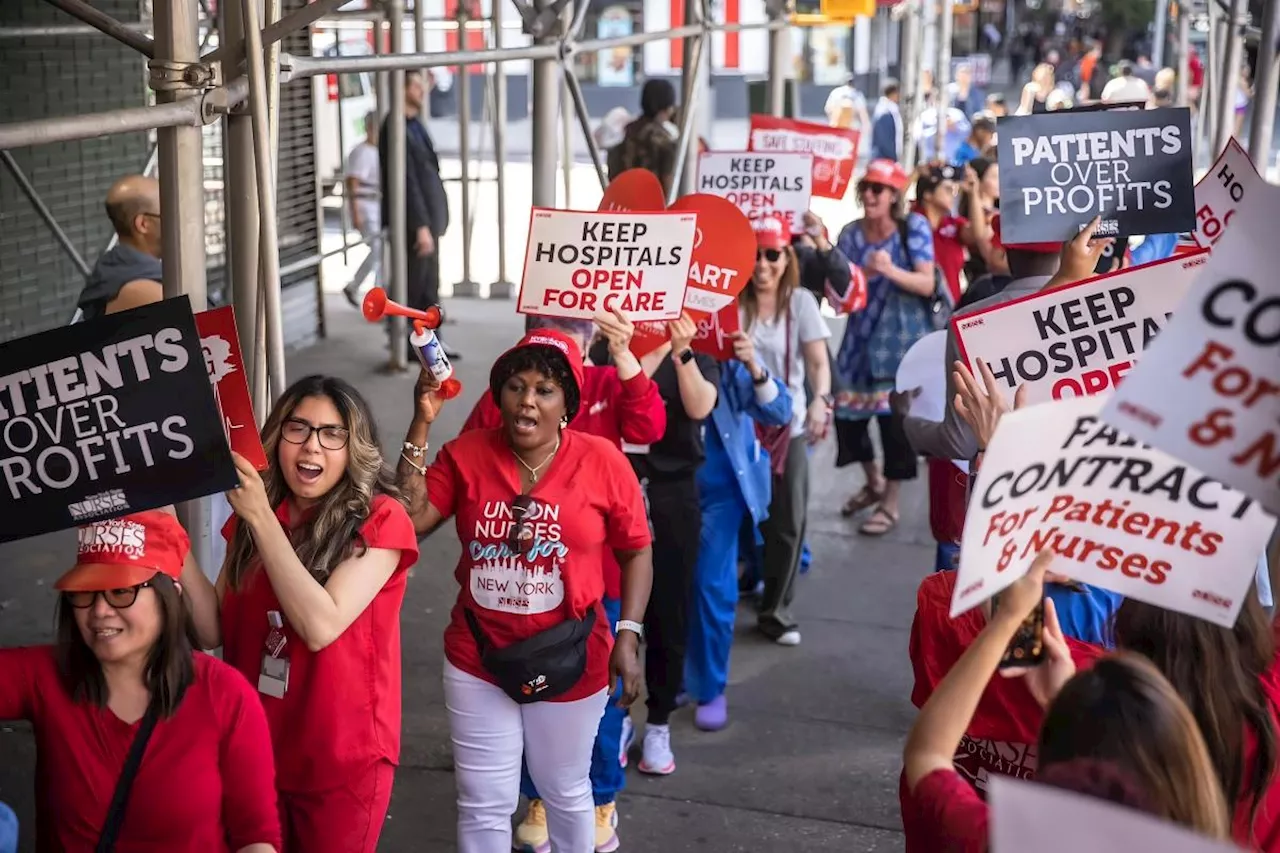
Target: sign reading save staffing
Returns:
[[1133, 168], [759, 184], [1119, 515], [105, 418], [1079, 339], [834, 149], [580, 262]]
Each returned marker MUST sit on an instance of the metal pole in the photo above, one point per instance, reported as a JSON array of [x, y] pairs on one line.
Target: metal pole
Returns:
[[344, 216], [545, 95], [420, 27], [47, 215], [397, 227], [187, 111], [942, 77], [566, 142], [466, 287], [693, 64], [105, 23], [1230, 75], [911, 32], [269, 251], [779, 60], [1158, 37], [1184, 56], [580, 107], [63, 30], [1264, 99], [233, 48], [381, 80], [502, 288], [310, 66]]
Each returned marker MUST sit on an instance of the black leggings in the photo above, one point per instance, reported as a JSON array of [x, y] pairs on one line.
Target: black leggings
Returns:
[[853, 439]]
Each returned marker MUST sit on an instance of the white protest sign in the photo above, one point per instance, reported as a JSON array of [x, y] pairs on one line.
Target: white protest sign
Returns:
[[1221, 189], [923, 370], [1020, 811], [759, 184], [579, 262], [1119, 515], [1209, 392], [1079, 339]]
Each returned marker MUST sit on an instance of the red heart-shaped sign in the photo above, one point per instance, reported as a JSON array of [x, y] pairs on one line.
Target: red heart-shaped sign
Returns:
[[634, 189], [724, 253]]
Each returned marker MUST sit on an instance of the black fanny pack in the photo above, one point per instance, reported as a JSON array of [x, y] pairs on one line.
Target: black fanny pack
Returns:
[[541, 667]]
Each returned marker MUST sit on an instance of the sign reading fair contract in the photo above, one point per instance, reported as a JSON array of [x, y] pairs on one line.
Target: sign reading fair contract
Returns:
[[1119, 515], [1079, 339], [1209, 391], [834, 149], [105, 418], [1221, 189], [1133, 168], [221, 346], [759, 184], [579, 262]]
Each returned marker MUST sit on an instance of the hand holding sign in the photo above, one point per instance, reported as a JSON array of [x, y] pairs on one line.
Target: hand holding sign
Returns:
[[617, 329], [983, 405], [1080, 255], [724, 253], [745, 351], [682, 331], [250, 501]]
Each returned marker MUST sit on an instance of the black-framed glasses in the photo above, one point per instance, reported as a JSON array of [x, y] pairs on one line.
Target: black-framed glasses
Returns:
[[331, 437], [874, 188], [770, 255], [117, 599], [520, 533]]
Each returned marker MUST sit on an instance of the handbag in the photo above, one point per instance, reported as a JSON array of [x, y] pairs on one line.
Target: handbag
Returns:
[[540, 667], [120, 799], [777, 439], [940, 306]]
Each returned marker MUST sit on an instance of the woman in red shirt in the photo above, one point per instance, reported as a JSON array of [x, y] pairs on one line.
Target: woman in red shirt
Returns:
[[123, 676], [310, 594], [528, 661]]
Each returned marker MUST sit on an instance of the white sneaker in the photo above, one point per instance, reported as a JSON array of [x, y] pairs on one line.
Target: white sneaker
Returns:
[[789, 638], [658, 760], [628, 738]]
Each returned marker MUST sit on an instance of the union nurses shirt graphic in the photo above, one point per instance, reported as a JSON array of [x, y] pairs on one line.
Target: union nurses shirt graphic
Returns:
[[528, 580]]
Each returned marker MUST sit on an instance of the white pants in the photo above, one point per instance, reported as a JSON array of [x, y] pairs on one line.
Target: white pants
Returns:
[[491, 733]]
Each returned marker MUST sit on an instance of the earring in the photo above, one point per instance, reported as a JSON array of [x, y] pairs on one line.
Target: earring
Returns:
[[564, 422]]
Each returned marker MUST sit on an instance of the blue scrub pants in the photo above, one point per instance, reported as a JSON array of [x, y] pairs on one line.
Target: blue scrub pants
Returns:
[[8, 830], [607, 775]]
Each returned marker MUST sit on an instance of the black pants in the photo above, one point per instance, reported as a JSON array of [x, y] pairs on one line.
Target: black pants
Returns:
[[424, 277], [853, 439], [677, 528]]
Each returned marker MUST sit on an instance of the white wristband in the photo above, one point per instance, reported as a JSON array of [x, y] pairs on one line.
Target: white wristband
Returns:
[[628, 625]]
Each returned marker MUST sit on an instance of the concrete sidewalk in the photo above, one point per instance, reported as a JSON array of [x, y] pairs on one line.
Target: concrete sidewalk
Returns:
[[810, 761]]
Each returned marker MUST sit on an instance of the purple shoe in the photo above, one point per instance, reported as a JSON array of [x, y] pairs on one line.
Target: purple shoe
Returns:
[[713, 716]]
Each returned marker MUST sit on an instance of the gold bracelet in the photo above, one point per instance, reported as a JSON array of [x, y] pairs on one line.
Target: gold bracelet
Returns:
[[421, 469]]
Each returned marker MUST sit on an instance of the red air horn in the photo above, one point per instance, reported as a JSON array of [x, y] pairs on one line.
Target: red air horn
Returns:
[[423, 339]]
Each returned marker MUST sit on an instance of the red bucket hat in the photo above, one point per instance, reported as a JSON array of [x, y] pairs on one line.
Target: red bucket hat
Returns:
[[127, 551], [555, 341], [1035, 248], [770, 232], [887, 172]]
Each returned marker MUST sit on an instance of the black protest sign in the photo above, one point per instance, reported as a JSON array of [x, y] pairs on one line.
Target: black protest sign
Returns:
[[105, 418], [1133, 168]]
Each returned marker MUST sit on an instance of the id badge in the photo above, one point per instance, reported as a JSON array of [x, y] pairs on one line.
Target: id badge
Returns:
[[635, 449], [273, 680]]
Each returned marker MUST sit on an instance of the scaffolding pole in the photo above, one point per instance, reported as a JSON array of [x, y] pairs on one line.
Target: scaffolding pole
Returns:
[[912, 25], [779, 59], [104, 23], [1181, 97], [397, 227], [467, 287], [1231, 54], [232, 48], [1264, 103], [502, 288], [187, 111], [44, 212], [941, 77], [686, 165]]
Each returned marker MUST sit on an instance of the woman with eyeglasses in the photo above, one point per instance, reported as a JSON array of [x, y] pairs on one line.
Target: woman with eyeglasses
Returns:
[[529, 656], [123, 678], [897, 256], [307, 606]]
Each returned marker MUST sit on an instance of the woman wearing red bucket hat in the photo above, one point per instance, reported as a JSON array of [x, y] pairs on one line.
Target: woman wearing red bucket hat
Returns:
[[529, 659], [124, 708]]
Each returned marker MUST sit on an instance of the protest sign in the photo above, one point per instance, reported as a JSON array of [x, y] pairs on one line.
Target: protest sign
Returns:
[[221, 346], [1026, 816], [1133, 168], [1221, 189], [1209, 390], [760, 184], [834, 149], [578, 263], [724, 253], [1078, 339], [1119, 515], [715, 335], [105, 418], [635, 189]]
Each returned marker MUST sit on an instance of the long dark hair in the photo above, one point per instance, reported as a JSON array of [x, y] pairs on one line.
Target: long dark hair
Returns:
[[787, 284], [329, 535], [1217, 671], [170, 666]]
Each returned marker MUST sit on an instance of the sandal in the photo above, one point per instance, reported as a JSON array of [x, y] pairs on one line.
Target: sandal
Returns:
[[880, 523], [861, 500]]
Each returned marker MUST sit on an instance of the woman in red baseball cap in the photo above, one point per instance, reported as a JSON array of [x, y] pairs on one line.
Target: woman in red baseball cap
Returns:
[[143, 743], [528, 653]]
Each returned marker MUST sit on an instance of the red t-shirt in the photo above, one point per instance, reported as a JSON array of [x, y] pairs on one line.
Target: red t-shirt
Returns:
[[587, 501], [206, 782], [948, 499], [946, 816], [949, 251], [341, 712], [630, 411], [1266, 823]]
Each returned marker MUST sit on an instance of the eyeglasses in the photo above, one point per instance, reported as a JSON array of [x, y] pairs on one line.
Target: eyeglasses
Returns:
[[520, 533], [874, 188], [117, 599], [770, 255], [297, 431]]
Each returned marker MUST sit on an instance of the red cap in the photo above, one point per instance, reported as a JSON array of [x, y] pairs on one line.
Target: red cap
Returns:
[[770, 232], [551, 339], [1036, 248], [127, 551], [886, 172]]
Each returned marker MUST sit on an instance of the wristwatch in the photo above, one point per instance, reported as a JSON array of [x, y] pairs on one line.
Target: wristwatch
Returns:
[[764, 378], [627, 625], [829, 399], [686, 356]]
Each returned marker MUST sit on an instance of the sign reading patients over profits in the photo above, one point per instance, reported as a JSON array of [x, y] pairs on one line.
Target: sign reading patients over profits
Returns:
[[1209, 391], [105, 418], [1119, 515], [578, 263], [1133, 168], [1079, 339], [759, 184]]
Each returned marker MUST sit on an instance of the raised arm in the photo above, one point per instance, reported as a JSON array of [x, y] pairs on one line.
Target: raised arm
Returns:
[[697, 394], [411, 470]]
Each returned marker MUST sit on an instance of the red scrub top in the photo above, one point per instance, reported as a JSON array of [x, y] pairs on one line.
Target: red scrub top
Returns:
[[587, 500], [206, 782], [341, 713], [949, 252]]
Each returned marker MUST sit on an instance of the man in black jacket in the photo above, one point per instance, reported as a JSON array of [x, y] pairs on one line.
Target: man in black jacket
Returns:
[[426, 205]]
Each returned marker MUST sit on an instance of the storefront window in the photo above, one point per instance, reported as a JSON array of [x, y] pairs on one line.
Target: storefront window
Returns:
[[821, 53], [616, 66]]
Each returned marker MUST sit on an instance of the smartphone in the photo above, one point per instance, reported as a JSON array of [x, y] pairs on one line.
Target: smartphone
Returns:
[[1027, 646]]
